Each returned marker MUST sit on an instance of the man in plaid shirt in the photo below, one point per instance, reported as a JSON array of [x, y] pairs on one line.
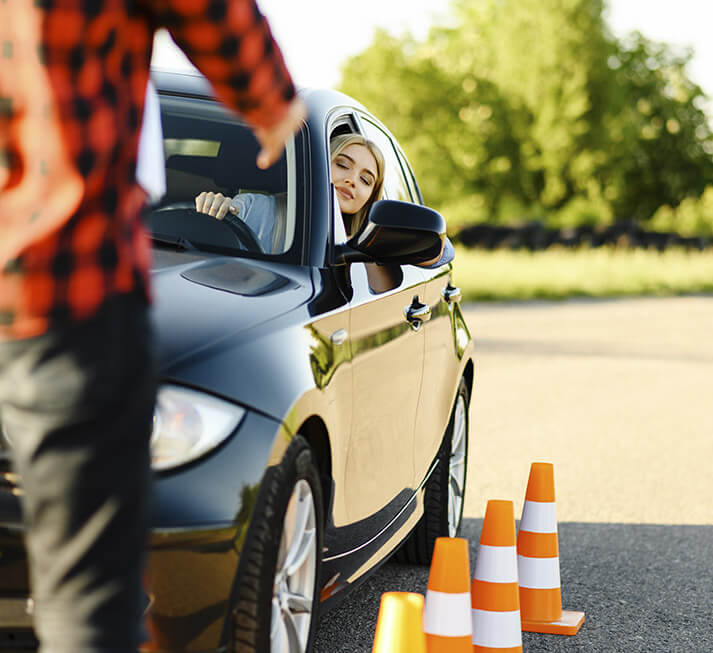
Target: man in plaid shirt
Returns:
[[76, 378]]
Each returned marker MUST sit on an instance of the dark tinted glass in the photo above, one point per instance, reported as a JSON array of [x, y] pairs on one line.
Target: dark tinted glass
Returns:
[[208, 150]]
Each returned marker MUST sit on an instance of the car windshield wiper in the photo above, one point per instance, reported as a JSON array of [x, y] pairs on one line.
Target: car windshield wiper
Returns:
[[178, 242]]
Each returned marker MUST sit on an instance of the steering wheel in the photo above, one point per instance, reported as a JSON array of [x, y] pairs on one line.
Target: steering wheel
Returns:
[[245, 234], [203, 229]]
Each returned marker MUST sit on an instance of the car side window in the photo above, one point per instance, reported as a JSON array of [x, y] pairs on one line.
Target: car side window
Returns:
[[209, 152], [376, 279], [395, 185], [410, 177], [344, 124]]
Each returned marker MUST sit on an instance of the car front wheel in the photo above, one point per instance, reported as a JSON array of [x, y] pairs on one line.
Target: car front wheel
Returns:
[[445, 489], [278, 591]]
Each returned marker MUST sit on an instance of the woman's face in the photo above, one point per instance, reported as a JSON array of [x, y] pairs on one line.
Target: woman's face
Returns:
[[354, 176]]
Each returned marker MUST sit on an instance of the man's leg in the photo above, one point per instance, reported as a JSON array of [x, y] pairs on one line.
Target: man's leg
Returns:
[[77, 406]]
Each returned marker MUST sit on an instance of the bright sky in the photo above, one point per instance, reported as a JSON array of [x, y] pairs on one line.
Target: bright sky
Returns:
[[313, 50]]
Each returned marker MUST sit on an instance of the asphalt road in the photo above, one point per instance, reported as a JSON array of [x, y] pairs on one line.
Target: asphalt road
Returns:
[[619, 396]]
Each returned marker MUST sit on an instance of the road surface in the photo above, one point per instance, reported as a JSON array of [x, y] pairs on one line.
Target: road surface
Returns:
[[618, 395]]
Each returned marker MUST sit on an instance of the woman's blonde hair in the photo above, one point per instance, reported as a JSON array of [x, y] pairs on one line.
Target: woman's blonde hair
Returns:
[[337, 145]]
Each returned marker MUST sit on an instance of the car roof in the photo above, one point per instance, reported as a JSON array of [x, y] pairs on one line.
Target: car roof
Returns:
[[319, 102]]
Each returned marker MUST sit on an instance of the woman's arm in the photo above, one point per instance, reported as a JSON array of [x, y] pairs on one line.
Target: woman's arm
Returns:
[[447, 255]]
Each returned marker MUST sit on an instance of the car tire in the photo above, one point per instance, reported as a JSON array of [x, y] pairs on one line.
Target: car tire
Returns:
[[445, 489], [277, 592]]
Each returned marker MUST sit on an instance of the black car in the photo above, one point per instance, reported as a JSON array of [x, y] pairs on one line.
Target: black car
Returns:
[[308, 424]]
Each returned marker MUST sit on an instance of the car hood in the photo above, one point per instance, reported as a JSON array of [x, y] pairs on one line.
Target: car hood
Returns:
[[199, 300]]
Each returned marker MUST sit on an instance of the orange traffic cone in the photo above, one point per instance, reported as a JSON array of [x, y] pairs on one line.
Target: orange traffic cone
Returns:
[[398, 627], [446, 615], [494, 592], [538, 559]]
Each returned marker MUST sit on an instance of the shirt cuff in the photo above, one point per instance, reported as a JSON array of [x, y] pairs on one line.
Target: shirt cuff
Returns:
[[447, 256]]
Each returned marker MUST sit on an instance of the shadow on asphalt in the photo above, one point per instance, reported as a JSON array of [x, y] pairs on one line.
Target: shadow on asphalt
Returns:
[[643, 588]]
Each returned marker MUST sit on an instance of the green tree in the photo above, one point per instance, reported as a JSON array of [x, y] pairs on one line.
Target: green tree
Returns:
[[402, 81], [530, 108], [546, 57], [692, 217], [659, 140]]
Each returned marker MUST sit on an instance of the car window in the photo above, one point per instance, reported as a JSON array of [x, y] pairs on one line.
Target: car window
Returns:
[[395, 184], [410, 177], [341, 124], [208, 150]]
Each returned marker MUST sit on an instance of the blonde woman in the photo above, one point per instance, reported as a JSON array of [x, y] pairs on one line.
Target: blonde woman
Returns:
[[357, 166]]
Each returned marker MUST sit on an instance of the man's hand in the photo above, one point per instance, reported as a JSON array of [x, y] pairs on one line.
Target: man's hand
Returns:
[[273, 139]]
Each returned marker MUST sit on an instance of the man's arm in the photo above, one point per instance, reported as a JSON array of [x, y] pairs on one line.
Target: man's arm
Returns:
[[272, 139], [230, 42]]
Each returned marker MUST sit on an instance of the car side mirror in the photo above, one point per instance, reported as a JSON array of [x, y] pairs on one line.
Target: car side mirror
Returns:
[[396, 232]]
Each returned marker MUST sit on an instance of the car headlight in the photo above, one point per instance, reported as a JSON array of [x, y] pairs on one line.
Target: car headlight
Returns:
[[188, 424]]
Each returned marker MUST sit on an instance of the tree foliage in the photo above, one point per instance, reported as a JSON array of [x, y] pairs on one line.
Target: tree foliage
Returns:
[[525, 109]]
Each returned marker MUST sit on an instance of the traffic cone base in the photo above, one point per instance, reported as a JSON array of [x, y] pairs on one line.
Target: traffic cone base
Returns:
[[568, 624], [443, 644], [543, 605]]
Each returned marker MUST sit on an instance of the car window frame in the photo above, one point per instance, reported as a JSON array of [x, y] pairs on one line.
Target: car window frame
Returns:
[[368, 121], [297, 252], [354, 117], [409, 174], [338, 117], [356, 120]]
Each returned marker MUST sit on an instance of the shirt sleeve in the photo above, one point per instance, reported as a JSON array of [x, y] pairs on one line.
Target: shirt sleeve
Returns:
[[447, 256], [258, 212], [230, 42]]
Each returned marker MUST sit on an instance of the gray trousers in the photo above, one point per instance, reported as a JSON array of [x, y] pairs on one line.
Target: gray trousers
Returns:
[[77, 406]]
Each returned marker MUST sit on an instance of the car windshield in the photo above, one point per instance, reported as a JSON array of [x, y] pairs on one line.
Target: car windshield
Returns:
[[207, 150]]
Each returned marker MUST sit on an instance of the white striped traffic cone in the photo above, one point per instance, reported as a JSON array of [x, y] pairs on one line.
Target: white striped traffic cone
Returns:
[[446, 615], [494, 593], [538, 559]]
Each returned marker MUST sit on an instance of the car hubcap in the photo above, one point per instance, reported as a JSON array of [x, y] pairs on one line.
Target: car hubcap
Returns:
[[456, 471], [295, 576]]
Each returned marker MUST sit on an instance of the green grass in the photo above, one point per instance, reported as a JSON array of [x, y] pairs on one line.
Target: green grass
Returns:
[[562, 273]]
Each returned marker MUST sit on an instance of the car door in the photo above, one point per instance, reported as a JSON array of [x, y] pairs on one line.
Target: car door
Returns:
[[440, 369], [441, 360], [387, 362]]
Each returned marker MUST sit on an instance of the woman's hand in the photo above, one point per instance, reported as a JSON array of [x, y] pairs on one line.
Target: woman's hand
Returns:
[[215, 204]]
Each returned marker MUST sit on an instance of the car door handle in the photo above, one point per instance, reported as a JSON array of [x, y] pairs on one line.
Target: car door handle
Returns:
[[338, 337], [417, 313], [451, 294]]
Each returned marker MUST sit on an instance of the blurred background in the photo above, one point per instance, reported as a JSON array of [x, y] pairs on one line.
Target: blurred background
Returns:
[[568, 143]]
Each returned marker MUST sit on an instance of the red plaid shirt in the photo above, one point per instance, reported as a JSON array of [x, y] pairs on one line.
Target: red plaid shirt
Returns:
[[73, 75]]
